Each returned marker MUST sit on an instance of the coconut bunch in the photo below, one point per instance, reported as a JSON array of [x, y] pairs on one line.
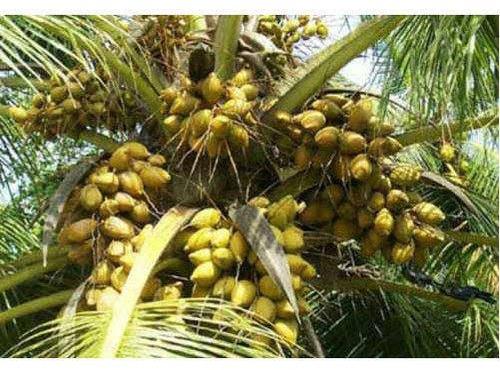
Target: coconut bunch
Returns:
[[210, 116], [369, 198], [225, 267], [285, 34], [111, 216], [73, 104], [456, 166]]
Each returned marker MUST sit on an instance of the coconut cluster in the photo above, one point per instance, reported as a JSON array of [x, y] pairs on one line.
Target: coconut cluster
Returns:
[[78, 101], [224, 266], [456, 167], [210, 116], [111, 218], [370, 199], [287, 33]]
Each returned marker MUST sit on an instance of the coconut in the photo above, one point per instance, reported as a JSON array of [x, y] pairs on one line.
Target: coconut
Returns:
[[101, 274], [427, 236], [140, 213], [283, 212], [287, 329], [220, 238], [330, 109], [172, 124], [220, 126], [170, 292], [242, 77], [402, 253], [264, 308], [238, 136], [154, 177], [157, 160], [239, 247], [236, 108], [117, 248], [311, 120], [371, 243], [81, 254], [199, 240], [71, 105], [78, 232], [347, 211], [397, 200], [125, 202], [308, 272], [184, 104], [119, 278], [58, 94], [131, 183], [360, 114], [109, 207], [317, 212], [351, 142], [168, 95], [268, 288], [136, 150], [117, 228], [107, 182], [365, 218], [90, 197], [200, 256], [361, 167], [327, 138], [206, 274], [429, 213], [106, 299], [405, 175], [447, 152], [334, 193], [251, 91], [199, 122], [223, 258], [211, 88], [284, 309], [376, 202], [378, 128], [302, 157], [91, 296], [297, 284], [293, 239], [344, 229], [259, 202], [403, 228], [223, 287], [383, 224], [138, 240]]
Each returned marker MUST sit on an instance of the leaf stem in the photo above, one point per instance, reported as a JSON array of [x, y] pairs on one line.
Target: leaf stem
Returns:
[[31, 272], [227, 34], [35, 305]]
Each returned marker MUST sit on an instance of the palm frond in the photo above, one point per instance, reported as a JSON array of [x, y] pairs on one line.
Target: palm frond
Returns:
[[183, 328], [446, 67]]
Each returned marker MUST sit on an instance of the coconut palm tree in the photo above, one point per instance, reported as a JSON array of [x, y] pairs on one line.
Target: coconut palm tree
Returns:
[[439, 79]]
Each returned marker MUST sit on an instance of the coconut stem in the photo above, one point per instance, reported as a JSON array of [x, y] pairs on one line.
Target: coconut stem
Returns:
[[31, 272], [36, 305], [432, 133], [37, 256]]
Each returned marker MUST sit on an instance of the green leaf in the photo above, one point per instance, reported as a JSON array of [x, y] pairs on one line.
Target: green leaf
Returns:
[[308, 79], [227, 34]]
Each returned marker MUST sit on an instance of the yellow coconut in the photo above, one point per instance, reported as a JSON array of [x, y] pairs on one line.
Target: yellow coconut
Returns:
[[268, 288], [131, 183], [117, 228], [157, 160], [365, 218], [293, 239], [90, 197], [223, 287], [208, 217], [199, 240], [109, 207], [239, 246], [206, 274], [402, 253], [243, 293], [397, 200], [211, 88], [124, 201], [223, 258], [383, 224], [360, 167], [78, 232], [140, 213], [101, 274], [403, 228], [287, 329], [264, 308], [429, 213], [329, 109], [154, 177], [351, 142]]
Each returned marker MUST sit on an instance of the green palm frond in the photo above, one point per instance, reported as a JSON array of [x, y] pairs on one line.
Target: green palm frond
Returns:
[[382, 324], [183, 328], [444, 66]]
